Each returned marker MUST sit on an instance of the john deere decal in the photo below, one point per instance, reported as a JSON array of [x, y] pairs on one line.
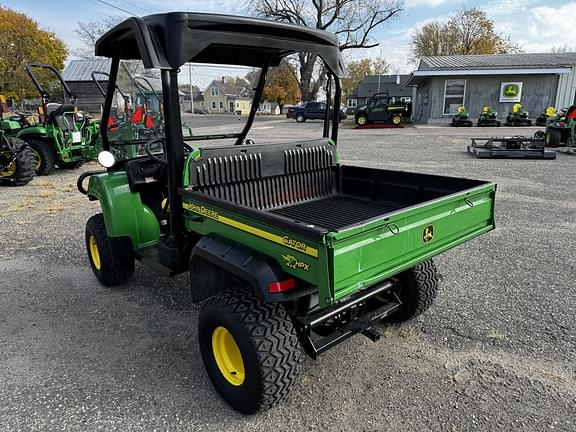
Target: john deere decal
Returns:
[[510, 91], [294, 263], [428, 233]]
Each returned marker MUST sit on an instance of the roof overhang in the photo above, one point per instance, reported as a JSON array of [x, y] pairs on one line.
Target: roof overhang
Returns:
[[419, 76]]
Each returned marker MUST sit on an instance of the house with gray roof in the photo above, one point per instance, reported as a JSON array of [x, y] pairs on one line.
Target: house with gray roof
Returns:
[[535, 80]]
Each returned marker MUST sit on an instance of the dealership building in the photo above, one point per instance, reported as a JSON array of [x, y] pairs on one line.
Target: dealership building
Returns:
[[536, 81]]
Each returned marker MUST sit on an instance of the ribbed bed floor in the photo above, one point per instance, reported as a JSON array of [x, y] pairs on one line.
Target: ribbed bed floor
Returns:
[[335, 212]]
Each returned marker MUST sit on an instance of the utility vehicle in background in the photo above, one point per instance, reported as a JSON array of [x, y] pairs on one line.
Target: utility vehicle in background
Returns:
[[289, 249], [381, 109]]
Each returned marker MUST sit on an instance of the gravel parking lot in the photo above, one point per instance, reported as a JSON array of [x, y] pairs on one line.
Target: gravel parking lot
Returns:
[[494, 353]]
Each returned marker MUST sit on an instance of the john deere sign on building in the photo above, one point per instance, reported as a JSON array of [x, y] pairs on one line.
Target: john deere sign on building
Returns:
[[511, 91], [537, 81]]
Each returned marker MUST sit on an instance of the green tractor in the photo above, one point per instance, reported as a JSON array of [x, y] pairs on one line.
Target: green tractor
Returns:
[[518, 116], [461, 118], [488, 117], [289, 250], [65, 136], [562, 130], [16, 159]]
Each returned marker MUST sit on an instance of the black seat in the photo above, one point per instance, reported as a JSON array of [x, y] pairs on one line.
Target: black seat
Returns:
[[55, 116]]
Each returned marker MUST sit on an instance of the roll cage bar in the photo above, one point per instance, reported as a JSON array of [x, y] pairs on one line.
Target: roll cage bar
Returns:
[[168, 41], [94, 74], [43, 93]]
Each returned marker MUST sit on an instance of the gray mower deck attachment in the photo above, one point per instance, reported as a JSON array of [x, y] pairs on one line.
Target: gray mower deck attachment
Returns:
[[514, 147]]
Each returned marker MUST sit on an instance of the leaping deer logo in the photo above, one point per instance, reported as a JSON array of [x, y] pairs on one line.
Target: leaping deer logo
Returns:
[[428, 233]]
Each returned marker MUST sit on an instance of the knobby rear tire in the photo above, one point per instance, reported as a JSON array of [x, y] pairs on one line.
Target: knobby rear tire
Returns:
[[268, 344]]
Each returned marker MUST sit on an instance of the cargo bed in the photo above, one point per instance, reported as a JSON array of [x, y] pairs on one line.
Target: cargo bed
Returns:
[[349, 227], [365, 194]]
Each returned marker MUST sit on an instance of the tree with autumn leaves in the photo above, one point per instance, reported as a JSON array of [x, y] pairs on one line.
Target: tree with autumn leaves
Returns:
[[281, 85], [468, 31], [357, 70], [24, 42]]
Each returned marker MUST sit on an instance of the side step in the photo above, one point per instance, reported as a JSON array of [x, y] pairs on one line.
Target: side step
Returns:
[[365, 323]]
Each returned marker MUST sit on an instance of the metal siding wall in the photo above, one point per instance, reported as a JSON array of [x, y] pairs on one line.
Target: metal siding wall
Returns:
[[538, 92], [566, 89], [89, 98]]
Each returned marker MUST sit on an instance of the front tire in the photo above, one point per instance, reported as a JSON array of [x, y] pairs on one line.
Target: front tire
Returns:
[[553, 137], [396, 119], [417, 290], [108, 270], [250, 349], [44, 156], [22, 169], [361, 120], [300, 118]]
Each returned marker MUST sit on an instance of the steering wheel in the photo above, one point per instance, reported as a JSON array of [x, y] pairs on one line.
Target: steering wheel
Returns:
[[147, 149]]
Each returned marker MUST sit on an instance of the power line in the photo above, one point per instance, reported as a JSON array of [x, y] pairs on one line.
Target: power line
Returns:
[[116, 7], [137, 7]]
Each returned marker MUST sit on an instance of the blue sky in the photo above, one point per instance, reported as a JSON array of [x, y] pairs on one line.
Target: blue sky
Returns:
[[535, 24]]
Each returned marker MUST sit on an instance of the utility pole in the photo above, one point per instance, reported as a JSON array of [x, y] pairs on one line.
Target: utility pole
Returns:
[[191, 89]]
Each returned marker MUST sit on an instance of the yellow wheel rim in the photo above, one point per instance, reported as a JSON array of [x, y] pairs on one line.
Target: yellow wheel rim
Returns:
[[94, 254], [396, 120], [12, 169], [36, 159], [228, 357], [361, 120]]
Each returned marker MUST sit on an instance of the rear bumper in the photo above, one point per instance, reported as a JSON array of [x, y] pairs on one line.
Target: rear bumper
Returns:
[[365, 323]]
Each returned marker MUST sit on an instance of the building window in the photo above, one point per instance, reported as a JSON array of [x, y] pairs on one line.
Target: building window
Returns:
[[352, 103], [454, 91], [213, 104], [215, 91], [221, 105], [237, 105]]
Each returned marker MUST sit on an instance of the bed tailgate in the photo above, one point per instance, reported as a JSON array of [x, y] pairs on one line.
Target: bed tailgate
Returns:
[[365, 254]]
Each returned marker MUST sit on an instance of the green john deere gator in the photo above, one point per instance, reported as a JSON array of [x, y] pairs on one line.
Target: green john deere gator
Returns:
[[289, 249], [65, 137]]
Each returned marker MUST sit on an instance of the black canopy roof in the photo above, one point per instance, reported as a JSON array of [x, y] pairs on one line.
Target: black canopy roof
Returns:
[[167, 41]]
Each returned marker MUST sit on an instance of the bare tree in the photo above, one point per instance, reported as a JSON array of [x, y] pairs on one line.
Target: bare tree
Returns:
[[354, 21], [90, 32]]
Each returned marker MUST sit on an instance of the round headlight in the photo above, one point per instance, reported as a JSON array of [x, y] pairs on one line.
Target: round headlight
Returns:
[[106, 159]]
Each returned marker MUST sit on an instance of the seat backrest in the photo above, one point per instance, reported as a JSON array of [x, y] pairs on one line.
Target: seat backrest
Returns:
[[571, 113], [266, 176]]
